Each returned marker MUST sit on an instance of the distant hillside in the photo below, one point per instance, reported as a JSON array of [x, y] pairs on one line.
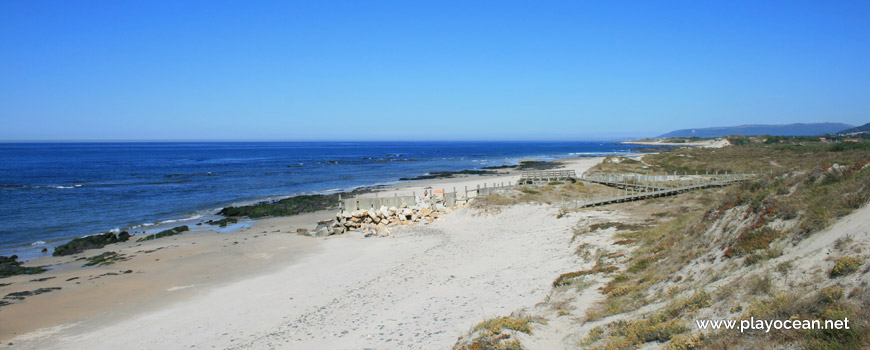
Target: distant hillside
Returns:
[[797, 129], [862, 128]]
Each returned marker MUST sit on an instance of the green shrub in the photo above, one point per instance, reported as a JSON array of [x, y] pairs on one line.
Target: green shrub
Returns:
[[845, 265]]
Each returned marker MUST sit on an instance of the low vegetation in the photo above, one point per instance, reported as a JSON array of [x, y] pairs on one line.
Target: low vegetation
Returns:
[[566, 279], [491, 335], [547, 194], [846, 265], [711, 259]]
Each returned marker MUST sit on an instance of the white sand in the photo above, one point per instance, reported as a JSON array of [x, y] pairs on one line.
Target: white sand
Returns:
[[421, 288], [417, 290]]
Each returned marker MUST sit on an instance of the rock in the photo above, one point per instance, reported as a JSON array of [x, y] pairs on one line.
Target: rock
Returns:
[[346, 214], [170, 232], [373, 215], [302, 231], [10, 266], [79, 245], [425, 211], [321, 232], [407, 212], [358, 213]]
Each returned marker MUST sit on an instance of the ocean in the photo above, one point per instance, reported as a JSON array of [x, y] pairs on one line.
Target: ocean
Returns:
[[53, 192]]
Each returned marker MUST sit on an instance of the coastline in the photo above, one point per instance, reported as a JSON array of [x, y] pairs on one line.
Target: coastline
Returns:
[[30, 250], [170, 270]]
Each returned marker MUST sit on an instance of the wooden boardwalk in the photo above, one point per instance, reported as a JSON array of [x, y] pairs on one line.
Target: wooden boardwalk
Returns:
[[546, 176], [628, 191]]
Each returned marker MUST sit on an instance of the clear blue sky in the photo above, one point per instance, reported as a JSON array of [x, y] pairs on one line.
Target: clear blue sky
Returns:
[[424, 70]]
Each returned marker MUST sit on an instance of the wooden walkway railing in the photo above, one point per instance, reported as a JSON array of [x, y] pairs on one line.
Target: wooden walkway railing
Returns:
[[628, 191], [530, 177]]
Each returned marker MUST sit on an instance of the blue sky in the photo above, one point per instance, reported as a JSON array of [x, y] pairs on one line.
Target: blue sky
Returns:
[[424, 70]]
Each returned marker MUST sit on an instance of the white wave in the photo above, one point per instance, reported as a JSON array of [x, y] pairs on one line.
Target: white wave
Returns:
[[38, 243]]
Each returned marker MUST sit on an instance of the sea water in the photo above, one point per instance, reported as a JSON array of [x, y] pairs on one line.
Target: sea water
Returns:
[[53, 192]]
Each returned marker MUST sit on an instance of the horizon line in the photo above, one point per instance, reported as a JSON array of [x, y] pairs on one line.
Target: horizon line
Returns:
[[325, 140]]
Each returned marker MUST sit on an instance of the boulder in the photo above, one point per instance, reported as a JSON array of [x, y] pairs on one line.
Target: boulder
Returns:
[[321, 232], [425, 211]]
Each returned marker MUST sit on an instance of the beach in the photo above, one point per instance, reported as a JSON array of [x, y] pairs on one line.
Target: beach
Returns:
[[264, 286]]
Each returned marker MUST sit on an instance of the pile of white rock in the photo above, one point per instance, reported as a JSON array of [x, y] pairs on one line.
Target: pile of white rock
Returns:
[[378, 222]]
